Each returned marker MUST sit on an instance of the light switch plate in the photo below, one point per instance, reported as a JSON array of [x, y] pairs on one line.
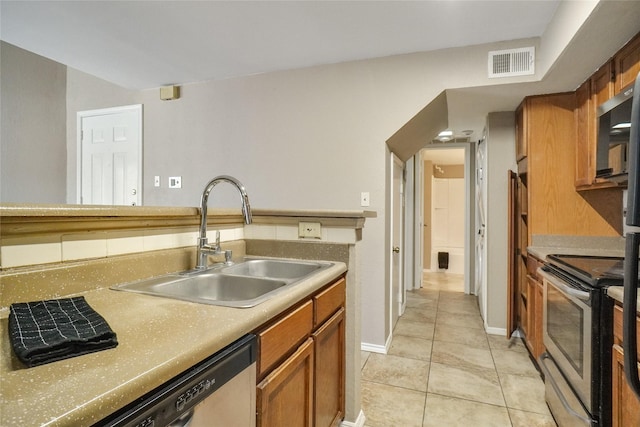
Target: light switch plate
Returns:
[[312, 230], [365, 200]]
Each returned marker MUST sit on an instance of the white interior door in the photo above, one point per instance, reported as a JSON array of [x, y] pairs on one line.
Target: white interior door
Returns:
[[397, 288], [110, 156], [481, 251]]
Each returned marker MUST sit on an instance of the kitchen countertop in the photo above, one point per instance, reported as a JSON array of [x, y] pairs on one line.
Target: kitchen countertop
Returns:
[[158, 338], [617, 293], [543, 245], [581, 245]]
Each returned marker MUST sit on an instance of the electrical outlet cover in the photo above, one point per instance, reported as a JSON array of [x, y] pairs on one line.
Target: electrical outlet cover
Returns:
[[175, 182], [310, 230]]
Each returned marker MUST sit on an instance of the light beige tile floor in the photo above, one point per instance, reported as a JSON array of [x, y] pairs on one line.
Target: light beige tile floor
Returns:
[[442, 369]]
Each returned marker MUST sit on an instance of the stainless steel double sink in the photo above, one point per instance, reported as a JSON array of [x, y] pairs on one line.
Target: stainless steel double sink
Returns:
[[241, 285]]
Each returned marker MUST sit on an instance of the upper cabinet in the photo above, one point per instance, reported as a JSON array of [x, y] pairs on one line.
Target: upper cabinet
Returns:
[[585, 141], [627, 64], [521, 140], [589, 95], [605, 83]]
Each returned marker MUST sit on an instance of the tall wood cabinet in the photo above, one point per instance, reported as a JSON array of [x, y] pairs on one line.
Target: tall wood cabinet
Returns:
[[547, 201], [301, 364]]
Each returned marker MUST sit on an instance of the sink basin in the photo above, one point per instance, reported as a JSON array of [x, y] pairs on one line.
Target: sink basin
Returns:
[[241, 285], [273, 268], [209, 288]]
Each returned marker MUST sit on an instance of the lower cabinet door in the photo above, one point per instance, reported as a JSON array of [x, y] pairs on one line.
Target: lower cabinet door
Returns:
[[626, 406], [330, 362], [285, 396]]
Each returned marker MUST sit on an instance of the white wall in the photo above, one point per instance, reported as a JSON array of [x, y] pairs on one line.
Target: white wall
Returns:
[[32, 122], [500, 159]]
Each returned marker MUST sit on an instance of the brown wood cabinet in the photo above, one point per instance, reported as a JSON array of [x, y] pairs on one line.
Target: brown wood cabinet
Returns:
[[285, 397], [547, 200], [606, 82], [589, 95], [302, 363], [329, 371], [626, 406], [533, 337], [585, 138], [279, 338], [521, 139], [627, 64]]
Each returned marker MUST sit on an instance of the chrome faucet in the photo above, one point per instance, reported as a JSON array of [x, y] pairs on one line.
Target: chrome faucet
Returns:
[[204, 249]]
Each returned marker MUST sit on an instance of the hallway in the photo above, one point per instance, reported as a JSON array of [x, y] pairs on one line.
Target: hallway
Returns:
[[444, 370]]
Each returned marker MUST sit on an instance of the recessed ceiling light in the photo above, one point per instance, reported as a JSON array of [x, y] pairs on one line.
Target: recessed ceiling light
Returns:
[[445, 133]]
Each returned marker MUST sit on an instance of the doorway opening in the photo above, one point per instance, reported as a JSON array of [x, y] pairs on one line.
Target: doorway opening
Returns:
[[445, 207]]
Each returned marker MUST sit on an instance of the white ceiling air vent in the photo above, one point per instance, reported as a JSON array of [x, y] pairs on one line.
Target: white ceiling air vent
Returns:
[[511, 62], [453, 140]]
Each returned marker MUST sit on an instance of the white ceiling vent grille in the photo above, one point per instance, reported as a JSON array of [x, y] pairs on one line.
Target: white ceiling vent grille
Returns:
[[511, 62]]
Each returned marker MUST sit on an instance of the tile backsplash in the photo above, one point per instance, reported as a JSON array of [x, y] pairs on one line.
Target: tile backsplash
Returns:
[[34, 250]]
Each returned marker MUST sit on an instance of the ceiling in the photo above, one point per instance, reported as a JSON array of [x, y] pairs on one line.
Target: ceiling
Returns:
[[146, 44]]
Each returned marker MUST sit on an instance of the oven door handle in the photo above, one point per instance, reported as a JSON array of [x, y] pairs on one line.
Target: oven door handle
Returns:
[[569, 290]]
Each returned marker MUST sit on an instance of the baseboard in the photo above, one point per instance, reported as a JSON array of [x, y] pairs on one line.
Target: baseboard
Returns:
[[375, 348], [359, 422], [496, 331]]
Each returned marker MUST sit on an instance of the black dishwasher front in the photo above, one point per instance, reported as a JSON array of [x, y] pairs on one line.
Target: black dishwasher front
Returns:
[[219, 391]]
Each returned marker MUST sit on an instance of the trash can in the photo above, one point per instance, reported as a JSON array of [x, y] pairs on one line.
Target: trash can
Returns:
[[443, 260]]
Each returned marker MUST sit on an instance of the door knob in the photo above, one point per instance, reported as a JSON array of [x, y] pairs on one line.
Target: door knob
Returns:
[[396, 250]]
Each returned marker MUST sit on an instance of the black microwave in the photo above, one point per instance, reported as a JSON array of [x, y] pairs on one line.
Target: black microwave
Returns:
[[614, 129]]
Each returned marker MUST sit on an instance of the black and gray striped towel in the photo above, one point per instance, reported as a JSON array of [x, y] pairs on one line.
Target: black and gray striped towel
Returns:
[[46, 331]]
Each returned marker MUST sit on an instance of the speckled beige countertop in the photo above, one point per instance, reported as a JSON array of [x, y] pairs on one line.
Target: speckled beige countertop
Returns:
[[581, 245], [543, 245], [617, 293], [158, 339]]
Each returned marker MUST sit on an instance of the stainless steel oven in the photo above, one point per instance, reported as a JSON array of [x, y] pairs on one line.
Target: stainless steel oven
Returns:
[[567, 318], [577, 334]]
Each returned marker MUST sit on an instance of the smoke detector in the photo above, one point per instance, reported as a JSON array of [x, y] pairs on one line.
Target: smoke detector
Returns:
[[511, 62]]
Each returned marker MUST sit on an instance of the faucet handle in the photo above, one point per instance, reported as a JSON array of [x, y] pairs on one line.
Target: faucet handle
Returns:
[[217, 239]]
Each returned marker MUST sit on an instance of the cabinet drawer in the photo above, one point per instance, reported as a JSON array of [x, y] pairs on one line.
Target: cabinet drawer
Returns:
[[280, 338], [328, 302], [532, 267]]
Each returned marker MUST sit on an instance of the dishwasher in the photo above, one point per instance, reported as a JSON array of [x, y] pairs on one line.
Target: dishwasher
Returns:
[[219, 391]]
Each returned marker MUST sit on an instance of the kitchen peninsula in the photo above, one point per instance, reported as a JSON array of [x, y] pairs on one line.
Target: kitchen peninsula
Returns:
[[158, 337]]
